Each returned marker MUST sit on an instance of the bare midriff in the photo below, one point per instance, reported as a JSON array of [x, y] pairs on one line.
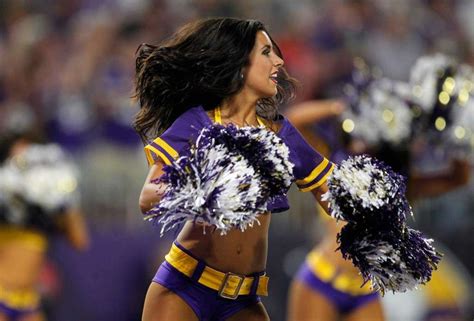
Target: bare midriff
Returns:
[[22, 257], [238, 252]]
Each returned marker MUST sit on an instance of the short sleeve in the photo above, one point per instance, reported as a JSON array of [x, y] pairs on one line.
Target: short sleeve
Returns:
[[161, 148], [311, 168], [177, 138]]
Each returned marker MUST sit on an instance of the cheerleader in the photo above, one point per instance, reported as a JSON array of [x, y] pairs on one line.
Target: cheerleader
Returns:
[[216, 72], [31, 210]]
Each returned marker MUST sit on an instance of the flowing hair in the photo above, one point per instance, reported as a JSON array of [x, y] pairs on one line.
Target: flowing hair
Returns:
[[201, 64]]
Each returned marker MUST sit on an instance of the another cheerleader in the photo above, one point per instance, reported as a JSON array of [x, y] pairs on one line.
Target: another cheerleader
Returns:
[[31, 210]]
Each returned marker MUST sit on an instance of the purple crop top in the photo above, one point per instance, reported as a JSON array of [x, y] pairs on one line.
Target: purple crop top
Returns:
[[310, 171]]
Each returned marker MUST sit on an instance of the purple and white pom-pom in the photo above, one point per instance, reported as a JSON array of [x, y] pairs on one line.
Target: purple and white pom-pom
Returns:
[[370, 197], [226, 179], [397, 260], [42, 175], [362, 188]]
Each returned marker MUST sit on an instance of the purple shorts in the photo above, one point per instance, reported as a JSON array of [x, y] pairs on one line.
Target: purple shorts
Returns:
[[204, 301], [15, 314], [344, 302]]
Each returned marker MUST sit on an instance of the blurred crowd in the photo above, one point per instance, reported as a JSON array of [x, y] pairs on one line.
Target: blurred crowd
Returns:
[[67, 67]]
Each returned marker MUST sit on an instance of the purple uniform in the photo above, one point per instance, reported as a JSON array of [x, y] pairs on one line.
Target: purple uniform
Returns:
[[212, 294], [310, 170]]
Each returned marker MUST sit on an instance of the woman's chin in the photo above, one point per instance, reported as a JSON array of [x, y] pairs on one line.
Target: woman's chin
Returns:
[[271, 93], [267, 93]]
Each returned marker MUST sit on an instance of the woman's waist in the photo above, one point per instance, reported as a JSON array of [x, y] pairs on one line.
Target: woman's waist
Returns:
[[237, 252], [343, 277], [20, 272], [227, 283]]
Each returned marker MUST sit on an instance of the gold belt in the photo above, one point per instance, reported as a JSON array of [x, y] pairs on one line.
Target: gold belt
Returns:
[[326, 271], [19, 299], [229, 285]]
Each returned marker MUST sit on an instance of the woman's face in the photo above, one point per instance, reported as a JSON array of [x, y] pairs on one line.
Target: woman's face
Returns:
[[261, 74]]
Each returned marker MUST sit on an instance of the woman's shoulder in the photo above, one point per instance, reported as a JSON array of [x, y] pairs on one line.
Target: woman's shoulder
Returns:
[[176, 138], [193, 118]]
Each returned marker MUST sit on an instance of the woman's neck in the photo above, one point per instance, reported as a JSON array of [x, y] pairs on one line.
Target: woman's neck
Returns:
[[239, 110]]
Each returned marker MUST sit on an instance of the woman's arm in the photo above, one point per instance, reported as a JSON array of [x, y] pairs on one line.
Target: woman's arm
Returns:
[[318, 193], [420, 186], [73, 226], [310, 112], [151, 192]]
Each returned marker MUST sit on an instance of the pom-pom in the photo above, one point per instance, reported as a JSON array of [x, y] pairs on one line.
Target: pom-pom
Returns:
[[379, 110], [226, 179], [424, 79], [397, 260], [444, 89], [370, 197], [41, 175], [362, 188]]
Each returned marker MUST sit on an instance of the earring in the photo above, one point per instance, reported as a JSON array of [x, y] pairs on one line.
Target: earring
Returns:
[[241, 76]]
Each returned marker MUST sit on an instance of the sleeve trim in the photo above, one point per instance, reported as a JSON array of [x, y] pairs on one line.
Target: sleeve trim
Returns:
[[314, 173], [170, 150], [319, 182], [149, 149], [148, 155]]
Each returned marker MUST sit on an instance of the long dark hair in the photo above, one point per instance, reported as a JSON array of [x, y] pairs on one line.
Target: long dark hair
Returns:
[[201, 64], [10, 137]]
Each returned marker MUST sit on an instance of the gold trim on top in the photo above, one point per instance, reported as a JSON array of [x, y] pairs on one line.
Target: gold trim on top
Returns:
[[150, 148], [218, 117], [314, 173], [170, 150], [320, 182]]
